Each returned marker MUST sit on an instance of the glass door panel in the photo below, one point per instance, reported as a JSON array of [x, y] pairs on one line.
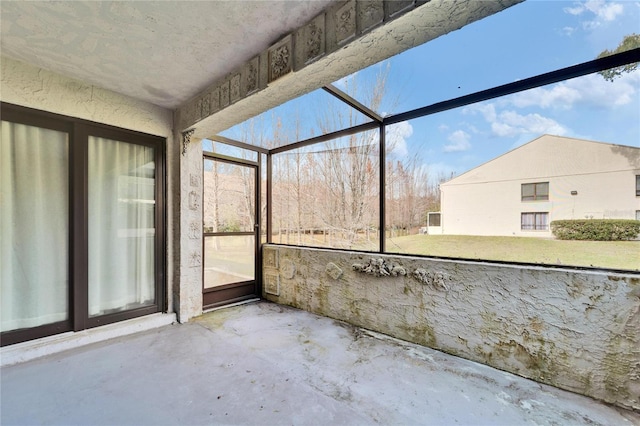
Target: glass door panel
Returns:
[[229, 259], [121, 226], [34, 225], [230, 230]]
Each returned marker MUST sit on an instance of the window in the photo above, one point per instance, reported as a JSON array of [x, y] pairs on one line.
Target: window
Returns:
[[433, 219], [637, 214], [637, 185], [535, 191], [326, 195], [81, 217], [536, 221]]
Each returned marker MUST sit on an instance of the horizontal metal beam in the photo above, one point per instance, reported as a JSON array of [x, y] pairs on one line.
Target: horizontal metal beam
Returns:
[[353, 103], [579, 70], [327, 137], [227, 159], [238, 144]]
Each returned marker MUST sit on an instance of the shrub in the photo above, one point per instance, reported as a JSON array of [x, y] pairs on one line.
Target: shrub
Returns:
[[596, 229]]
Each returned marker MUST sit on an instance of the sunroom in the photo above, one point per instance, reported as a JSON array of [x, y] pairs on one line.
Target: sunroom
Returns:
[[306, 165]]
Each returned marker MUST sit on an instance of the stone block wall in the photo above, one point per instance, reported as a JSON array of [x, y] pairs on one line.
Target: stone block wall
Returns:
[[576, 330]]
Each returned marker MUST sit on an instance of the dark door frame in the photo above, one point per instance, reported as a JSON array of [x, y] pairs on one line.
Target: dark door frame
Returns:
[[242, 290]]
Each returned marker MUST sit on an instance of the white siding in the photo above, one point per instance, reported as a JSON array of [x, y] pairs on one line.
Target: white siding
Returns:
[[487, 199]]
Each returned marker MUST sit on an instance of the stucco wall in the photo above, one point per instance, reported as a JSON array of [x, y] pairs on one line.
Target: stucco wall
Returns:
[[577, 330], [33, 87]]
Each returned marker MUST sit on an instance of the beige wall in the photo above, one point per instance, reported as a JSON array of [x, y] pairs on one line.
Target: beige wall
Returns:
[[576, 330], [29, 86], [487, 199]]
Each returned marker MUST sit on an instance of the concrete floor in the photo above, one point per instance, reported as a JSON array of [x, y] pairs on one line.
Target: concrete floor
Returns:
[[266, 364]]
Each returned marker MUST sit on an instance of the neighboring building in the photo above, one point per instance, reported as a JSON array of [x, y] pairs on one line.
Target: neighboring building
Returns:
[[550, 178]]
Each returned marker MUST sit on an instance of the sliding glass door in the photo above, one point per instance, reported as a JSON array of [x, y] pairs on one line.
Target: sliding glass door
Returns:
[[82, 224]]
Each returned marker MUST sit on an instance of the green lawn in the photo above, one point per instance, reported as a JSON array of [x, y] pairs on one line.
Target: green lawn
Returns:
[[601, 254]]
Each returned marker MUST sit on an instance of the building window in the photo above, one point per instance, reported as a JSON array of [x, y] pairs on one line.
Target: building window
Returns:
[[534, 221], [637, 185], [538, 191], [433, 219], [637, 214], [84, 202]]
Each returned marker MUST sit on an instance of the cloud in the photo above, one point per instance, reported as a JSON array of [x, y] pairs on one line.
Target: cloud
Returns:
[[396, 138], [577, 10], [459, 141], [605, 11], [488, 110], [591, 90], [559, 96], [510, 124], [601, 11]]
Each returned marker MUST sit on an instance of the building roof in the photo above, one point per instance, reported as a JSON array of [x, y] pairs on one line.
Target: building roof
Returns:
[[553, 156]]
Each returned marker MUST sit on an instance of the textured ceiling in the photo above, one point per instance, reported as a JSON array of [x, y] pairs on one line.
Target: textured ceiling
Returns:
[[163, 52]]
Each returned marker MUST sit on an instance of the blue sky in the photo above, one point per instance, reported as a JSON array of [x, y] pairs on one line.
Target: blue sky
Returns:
[[520, 42], [525, 40]]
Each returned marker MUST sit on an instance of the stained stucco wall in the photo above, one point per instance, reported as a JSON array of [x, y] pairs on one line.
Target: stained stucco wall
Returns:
[[577, 330], [33, 87]]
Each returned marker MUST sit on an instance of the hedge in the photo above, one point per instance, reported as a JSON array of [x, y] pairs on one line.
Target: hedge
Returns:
[[596, 229]]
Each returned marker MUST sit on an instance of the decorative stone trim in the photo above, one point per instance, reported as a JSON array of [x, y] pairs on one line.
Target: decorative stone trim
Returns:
[[333, 270], [346, 22], [251, 76], [195, 259], [371, 14], [314, 39], [270, 258], [234, 89], [186, 139], [434, 279], [397, 6], [215, 100], [224, 95], [206, 105], [322, 35], [379, 268], [272, 284], [281, 58], [194, 230], [194, 200], [287, 269]]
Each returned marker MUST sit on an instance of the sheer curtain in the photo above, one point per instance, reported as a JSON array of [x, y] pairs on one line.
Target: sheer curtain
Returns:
[[34, 215], [121, 226]]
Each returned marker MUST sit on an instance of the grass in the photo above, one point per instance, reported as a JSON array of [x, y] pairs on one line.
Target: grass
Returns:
[[599, 254]]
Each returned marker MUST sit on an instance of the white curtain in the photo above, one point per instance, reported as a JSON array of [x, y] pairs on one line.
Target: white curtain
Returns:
[[121, 226], [34, 229]]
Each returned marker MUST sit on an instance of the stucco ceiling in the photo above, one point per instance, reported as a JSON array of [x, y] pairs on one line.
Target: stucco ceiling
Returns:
[[163, 52]]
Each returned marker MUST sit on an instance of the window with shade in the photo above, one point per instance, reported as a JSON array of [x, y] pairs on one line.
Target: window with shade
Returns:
[[81, 213], [535, 191]]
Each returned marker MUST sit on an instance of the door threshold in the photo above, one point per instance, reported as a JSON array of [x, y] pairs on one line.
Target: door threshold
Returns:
[[33, 349], [230, 305]]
